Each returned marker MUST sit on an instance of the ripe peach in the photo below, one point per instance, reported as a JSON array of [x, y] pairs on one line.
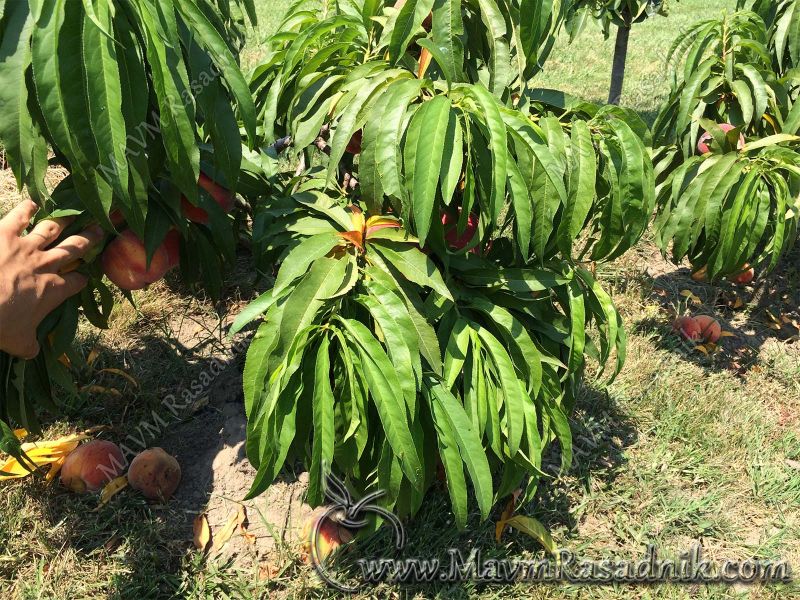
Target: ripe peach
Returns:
[[702, 144], [331, 534], [221, 196], [745, 275], [688, 328], [710, 329], [451, 236], [154, 473], [172, 244], [354, 145], [124, 262], [90, 466]]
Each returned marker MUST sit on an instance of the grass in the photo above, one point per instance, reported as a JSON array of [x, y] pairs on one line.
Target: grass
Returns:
[[680, 449]]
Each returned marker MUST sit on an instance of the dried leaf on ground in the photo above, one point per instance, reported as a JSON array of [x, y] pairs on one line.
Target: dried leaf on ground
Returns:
[[111, 489], [202, 532]]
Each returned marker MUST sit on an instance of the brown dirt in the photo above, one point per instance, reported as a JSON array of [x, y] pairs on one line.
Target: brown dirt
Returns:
[[217, 477]]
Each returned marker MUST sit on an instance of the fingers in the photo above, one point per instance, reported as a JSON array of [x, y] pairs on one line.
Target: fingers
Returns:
[[54, 289], [19, 217], [47, 231], [73, 248], [29, 349]]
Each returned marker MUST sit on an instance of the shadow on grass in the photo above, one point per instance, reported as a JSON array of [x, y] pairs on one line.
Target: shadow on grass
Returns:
[[601, 433], [132, 548]]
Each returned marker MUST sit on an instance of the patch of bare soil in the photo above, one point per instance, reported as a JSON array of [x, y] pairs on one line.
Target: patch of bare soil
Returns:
[[217, 476]]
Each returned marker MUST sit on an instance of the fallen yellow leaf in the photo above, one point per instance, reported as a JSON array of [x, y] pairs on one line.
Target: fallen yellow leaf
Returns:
[[92, 356], [99, 389], [202, 532], [235, 520], [111, 489], [122, 374], [534, 529]]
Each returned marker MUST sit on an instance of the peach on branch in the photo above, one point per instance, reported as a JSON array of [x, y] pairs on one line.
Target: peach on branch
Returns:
[[705, 139], [221, 196], [354, 145], [90, 466], [450, 223], [124, 262], [155, 474]]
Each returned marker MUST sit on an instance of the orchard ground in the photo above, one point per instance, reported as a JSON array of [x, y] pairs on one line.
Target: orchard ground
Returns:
[[682, 448]]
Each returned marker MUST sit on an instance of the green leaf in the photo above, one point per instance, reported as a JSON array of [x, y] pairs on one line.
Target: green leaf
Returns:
[[447, 410], [498, 142], [391, 127], [208, 37], [409, 21], [17, 129], [534, 529], [426, 336], [512, 388], [322, 281], [413, 264], [324, 433], [581, 187], [105, 99], [301, 256], [384, 387], [448, 27], [424, 154]]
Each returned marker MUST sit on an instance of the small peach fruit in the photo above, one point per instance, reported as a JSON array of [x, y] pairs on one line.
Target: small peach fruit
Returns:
[[332, 535], [688, 328], [705, 139], [154, 473], [710, 329], [91, 465]]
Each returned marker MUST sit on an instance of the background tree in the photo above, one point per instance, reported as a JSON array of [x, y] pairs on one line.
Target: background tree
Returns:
[[621, 13]]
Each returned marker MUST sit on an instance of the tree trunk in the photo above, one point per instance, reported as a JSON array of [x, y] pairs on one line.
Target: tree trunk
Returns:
[[618, 70]]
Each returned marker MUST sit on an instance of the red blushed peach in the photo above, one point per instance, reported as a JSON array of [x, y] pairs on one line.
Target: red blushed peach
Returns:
[[172, 245], [221, 196], [331, 534], [710, 329], [354, 145], [155, 474], [90, 466], [125, 262], [688, 328], [455, 241], [705, 139], [745, 275]]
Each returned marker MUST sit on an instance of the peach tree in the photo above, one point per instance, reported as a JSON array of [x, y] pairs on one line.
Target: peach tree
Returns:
[[623, 14], [433, 237], [139, 100], [726, 139]]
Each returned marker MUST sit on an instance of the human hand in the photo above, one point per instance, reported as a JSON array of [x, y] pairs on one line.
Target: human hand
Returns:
[[31, 282]]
